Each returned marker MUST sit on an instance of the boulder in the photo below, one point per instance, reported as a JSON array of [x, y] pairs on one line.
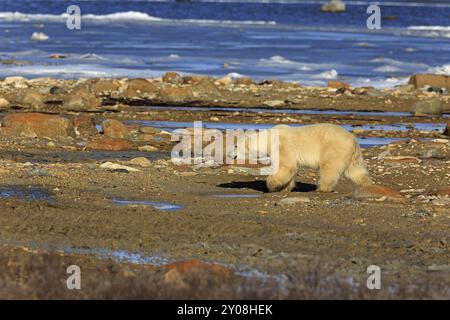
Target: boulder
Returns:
[[108, 144], [140, 88], [334, 6], [30, 98], [38, 125], [172, 77], [84, 125], [176, 94], [421, 80], [105, 86], [338, 85], [444, 192], [377, 191], [81, 100], [244, 81], [4, 103], [141, 161], [115, 129], [429, 106]]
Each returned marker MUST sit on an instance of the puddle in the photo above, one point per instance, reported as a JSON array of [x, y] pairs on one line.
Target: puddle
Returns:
[[26, 193], [330, 112], [288, 111], [236, 195], [163, 206], [397, 127]]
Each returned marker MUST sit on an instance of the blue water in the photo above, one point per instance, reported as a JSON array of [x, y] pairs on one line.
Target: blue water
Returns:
[[287, 40], [163, 206]]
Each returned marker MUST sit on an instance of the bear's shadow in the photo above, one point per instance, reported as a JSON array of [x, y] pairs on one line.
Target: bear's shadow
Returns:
[[261, 186]]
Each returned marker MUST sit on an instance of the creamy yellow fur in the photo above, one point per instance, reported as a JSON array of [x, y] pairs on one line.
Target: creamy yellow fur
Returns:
[[327, 147]]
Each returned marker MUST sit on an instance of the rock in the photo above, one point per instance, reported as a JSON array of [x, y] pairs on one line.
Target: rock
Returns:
[[149, 130], [447, 129], [84, 125], [172, 77], [105, 86], [401, 159], [30, 97], [334, 6], [441, 202], [406, 88], [421, 80], [214, 119], [81, 100], [244, 81], [147, 148], [293, 200], [115, 129], [274, 103], [444, 192], [16, 82], [4, 103], [194, 79], [38, 125], [141, 161], [225, 81], [176, 94], [429, 106], [377, 191], [39, 36], [108, 145], [338, 85], [115, 166], [141, 88], [186, 267]]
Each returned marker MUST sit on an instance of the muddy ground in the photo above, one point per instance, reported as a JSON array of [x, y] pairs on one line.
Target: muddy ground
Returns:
[[59, 207]]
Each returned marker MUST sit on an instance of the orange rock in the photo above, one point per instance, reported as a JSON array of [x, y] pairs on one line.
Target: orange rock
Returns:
[[444, 192], [338, 85], [38, 125], [191, 265], [172, 77], [176, 94], [85, 125], [104, 86], [140, 88], [420, 80], [377, 191], [115, 129], [108, 145]]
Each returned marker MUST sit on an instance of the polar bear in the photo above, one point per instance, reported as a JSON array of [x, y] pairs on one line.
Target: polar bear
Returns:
[[327, 147]]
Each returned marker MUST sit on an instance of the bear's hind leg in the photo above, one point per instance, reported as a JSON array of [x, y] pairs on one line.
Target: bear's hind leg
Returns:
[[330, 174]]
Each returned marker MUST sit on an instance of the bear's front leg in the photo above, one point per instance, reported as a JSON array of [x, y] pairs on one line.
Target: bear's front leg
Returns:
[[283, 180]]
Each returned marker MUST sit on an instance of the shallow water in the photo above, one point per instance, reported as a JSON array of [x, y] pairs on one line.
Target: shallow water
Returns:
[[285, 40], [26, 193], [288, 111], [163, 206], [167, 125]]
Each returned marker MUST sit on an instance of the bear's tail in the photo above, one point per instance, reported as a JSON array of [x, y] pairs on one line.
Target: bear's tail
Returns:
[[357, 171]]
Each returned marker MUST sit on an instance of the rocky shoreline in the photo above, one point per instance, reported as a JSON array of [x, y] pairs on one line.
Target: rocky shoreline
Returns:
[[86, 164]]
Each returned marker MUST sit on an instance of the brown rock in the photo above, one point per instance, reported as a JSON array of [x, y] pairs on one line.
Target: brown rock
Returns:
[[194, 79], [30, 97], [444, 192], [84, 124], [244, 80], [38, 125], [106, 144], [421, 80], [81, 100], [194, 265], [377, 191], [338, 85], [429, 106], [176, 94], [4, 103], [140, 88], [105, 86], [115, 129], [172, 77]]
